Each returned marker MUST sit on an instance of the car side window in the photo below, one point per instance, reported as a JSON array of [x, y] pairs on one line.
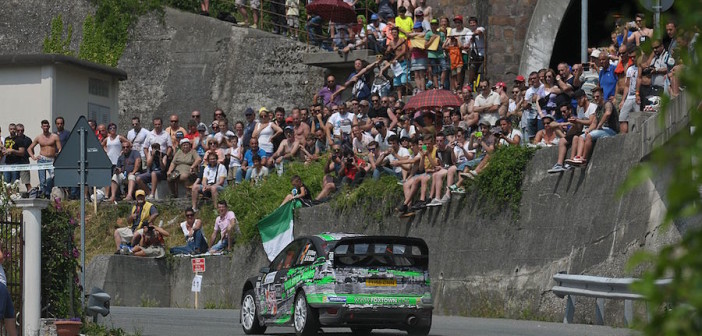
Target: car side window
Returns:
[[286, 258], [308, 254]]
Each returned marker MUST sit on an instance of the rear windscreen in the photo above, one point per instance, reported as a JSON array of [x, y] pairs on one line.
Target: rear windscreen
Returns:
[[375, 254]]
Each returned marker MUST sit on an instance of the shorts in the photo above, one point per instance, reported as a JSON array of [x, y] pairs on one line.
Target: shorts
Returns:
[[154, 251], [293, 21], [629, 106], [7, 310], [461, 166], [456, 71], [146, 177], [24, 177], [219, 188], [231, 173], [126, 235], [438, 65], [119, 178], [401, 79], [419, 64], [255, 4]]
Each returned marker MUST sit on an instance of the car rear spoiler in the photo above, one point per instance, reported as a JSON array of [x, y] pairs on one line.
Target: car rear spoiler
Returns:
[[421, 260]]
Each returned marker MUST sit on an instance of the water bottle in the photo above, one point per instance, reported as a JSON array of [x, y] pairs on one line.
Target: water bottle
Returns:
[[294, 192]]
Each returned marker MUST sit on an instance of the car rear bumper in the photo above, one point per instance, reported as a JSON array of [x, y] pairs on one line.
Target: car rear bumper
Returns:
[[375, 317]]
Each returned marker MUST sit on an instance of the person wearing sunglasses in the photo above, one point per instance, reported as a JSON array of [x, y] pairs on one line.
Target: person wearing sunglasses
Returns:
[[195, 242]]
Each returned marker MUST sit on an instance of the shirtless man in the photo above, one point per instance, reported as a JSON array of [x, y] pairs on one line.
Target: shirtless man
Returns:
[[301, 128], [50, 144]]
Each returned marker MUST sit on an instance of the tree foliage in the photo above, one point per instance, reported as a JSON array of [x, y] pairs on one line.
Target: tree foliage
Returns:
[[57, 42], [678, 307]]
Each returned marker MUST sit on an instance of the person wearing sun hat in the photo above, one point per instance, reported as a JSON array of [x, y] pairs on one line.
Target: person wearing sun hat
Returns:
[[143, 214]]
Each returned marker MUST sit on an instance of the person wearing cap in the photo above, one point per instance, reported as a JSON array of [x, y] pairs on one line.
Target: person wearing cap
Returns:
[[418, 58], [156, 166], [183, 167], [143, 214], [476, 45], [589, 74], [461, 33], [157, 135], [520, 82], [419, 18], [437, 61], [212, 182], [127, 168], [376, 34], [249, 128], [173, 128]]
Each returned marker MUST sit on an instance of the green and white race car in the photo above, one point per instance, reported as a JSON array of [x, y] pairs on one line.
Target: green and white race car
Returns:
[[342, 280]]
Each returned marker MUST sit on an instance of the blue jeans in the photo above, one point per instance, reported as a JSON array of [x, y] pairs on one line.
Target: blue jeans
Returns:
[[194, 245], [602, 133], [11, 176], [243, 175], [46, 177], [385, 170]]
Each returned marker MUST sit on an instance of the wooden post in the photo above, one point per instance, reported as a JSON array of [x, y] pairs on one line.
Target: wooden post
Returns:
[[95, 200]]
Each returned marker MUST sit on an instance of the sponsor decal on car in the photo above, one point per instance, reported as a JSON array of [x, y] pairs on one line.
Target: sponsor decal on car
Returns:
[[334, 299]]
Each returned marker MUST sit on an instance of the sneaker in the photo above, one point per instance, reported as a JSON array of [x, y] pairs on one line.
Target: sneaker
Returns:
[[557, 168], [402, 208], [567, 167], [252, 26], [458, 190], [576, 161], [419, 205], [435, 202], [401, 182], [150, 197], [446, 198], [126, 251], [465, 175]]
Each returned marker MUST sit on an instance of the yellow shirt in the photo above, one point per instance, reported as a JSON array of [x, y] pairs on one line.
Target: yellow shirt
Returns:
[[428, 167], [404, 24]]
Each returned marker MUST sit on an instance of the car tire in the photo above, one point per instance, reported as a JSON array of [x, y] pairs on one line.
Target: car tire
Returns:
[[249, 315], [361, 331], [305, 318]]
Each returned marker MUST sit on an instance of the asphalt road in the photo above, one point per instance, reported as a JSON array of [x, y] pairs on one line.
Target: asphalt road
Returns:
[[189, 322]]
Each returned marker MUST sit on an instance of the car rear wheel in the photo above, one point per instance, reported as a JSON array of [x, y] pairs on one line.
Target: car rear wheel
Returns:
[[305, 318], [249, 315], [361, 331]]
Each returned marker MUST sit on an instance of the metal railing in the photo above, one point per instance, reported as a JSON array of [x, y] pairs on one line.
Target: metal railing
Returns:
[[12, 246], [600, 288]]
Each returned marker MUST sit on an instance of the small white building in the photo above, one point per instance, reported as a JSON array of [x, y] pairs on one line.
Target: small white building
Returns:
[[45, 86]]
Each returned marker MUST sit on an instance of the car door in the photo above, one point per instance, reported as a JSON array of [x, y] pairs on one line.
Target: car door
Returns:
[[272, 286]]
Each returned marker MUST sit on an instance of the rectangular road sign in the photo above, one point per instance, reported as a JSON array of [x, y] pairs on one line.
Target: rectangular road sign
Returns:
[[198, 265]]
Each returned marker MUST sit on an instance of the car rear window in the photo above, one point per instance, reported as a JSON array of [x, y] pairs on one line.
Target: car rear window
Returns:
[[380, 255]]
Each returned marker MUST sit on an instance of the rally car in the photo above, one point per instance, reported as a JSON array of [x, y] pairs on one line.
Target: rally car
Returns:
[[342, 280]]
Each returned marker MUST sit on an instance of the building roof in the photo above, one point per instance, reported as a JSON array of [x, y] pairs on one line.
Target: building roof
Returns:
[[44, 59]]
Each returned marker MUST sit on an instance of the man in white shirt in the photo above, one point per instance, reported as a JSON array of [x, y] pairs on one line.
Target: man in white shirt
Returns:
[[487, 103], [529, 114], [394, 153], [213, 180], [508, 136], [340, 121], [137, 136], [628, 104], [383, 135], [376, 35], [157, 135], [360, 141]]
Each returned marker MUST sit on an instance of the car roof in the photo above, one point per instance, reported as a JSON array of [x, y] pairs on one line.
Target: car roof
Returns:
[[334, 236]]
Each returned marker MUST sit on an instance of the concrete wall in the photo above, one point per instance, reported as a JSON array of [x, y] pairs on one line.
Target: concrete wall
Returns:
[[193, 62], [71, 97], [25, 93]]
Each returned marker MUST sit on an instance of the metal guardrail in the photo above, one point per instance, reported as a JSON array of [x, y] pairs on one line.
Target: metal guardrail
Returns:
[[601, 288]]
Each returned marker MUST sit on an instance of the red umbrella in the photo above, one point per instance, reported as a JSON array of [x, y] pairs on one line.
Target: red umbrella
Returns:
[[336, 11], [433, 98]]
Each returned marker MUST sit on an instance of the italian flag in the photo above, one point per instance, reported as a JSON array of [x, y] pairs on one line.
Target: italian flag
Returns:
[[277, 229]]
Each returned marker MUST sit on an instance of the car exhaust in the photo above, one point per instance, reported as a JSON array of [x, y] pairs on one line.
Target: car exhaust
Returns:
[[411, 320]]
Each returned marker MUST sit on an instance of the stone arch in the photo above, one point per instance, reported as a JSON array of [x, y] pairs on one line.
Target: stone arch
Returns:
[[540, 36]]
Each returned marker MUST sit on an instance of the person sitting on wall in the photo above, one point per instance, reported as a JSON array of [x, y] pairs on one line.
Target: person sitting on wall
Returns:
[[151, 243], [299, 192], [195, 241], [142, 212], [225, 223]]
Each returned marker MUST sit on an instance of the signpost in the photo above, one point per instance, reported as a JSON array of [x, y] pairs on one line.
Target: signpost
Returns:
[[81, 162], [198, 265]]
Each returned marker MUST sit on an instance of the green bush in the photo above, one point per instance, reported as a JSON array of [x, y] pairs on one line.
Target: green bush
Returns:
[[500, 184], [56, 43], [377, 198], [252, 202], [59, 263]]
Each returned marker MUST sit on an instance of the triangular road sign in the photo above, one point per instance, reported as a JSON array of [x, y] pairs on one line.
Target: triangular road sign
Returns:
[[98, 166]]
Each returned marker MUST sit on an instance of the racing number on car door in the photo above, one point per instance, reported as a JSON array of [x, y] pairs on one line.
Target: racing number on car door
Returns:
[[274, 290]]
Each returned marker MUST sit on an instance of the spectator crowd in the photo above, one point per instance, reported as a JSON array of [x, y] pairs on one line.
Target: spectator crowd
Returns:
[[430, 152]]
